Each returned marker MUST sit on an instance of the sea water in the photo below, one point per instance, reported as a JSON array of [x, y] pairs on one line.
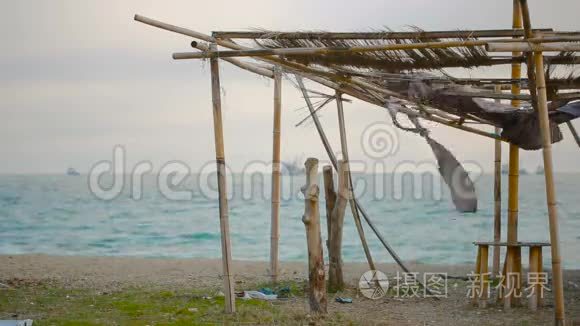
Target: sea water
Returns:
[[60, 215]]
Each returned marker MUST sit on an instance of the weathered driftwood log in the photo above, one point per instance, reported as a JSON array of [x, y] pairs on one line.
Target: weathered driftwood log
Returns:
[[330, 198], [311, 219], [335, 275]]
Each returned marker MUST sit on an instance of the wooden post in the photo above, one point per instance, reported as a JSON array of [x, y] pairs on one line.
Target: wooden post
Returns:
[[477, 273], [311, 219], [534, 294], [335, 275], [275, 231], [230, 305], [353, 207], [557, 279], [483, 269], [330, 198], [513, 180], [497, 199]]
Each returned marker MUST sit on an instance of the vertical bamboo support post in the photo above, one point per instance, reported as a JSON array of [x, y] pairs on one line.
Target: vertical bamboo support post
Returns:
[[230, 305], [497, 199], [335, 275], [534, 293], [353, 206], [557, 281], [330, 199], [483, 270], [311, 219], [513, 180], [477, 272], [275, 223]]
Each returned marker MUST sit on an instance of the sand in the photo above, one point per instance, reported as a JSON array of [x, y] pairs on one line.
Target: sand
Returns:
[[109, 274]]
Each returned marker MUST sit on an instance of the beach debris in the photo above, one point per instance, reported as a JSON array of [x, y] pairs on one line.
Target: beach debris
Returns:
[[267, 291], [343, 300], [259, 295], [283, 292], [24, 322]]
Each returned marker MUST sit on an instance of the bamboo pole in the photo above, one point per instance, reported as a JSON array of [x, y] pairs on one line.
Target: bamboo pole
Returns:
[[530, 47], [333, 160], [483, 270], [487, 94], [492, 46], [335, 275], [372, 35], [557, 278], [533, 263], [497, 200], [344, 149], [275, 223], [330, 199], [230, 306], [513, 179], [311, 219]]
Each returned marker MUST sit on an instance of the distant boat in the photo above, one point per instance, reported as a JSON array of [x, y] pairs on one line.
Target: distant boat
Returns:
[[523, 172], [72, 172], [540, 170], [294, 167]]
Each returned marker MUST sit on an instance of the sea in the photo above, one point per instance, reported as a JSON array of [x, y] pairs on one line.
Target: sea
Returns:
[[166, 217]]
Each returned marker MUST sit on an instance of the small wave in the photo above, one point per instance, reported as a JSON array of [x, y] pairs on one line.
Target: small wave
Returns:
[[200, 236], [10, 200]]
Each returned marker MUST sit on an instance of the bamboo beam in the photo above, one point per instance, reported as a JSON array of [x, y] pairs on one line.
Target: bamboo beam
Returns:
[[492, 46], [353, 209], [230, 306], [275, 223], [372, 35], [499, 96], [530, 47], [325, 50], [311, 220], [497, 200], [335, 275], [557, 278]]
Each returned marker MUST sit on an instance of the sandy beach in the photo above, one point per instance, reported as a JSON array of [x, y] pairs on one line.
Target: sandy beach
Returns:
[[107, 274]]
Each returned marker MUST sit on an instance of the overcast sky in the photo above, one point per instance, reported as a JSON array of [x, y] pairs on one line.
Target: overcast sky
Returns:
[[79, 77]]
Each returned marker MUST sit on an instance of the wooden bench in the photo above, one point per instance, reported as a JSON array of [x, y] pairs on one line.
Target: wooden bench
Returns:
[[535, 262]]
